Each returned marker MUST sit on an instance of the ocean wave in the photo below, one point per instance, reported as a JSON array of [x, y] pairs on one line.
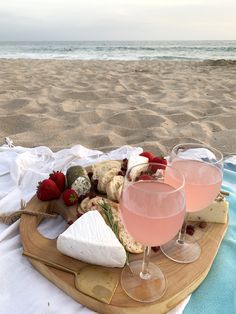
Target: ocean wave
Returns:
[[121, 50]]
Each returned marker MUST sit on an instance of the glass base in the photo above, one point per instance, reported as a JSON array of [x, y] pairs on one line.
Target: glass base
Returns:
[[143, 290], [187, 252]]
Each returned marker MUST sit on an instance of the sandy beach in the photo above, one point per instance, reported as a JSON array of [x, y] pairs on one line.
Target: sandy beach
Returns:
[[106, 104]]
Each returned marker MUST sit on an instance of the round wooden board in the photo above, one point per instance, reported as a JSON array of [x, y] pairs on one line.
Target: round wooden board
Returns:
[[182, 279]]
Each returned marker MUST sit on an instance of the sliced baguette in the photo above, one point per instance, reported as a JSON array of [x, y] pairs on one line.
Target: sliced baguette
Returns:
[[114, 187], [105, 178], [124, 237], [102, 167]]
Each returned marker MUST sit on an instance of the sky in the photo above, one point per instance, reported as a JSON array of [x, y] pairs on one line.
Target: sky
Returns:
[[117, 20]]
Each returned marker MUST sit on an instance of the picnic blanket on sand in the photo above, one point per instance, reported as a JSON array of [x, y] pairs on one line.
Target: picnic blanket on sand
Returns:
[[217, 293], [23, 290]]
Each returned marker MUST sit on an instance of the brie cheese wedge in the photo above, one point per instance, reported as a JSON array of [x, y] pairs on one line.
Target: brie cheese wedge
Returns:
[[135, 160], [91, 240]]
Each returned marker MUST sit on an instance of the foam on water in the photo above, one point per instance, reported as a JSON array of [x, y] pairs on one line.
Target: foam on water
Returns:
[[120, 50]]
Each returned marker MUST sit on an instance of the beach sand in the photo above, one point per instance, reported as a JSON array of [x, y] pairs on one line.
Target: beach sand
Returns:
[[106, 104]]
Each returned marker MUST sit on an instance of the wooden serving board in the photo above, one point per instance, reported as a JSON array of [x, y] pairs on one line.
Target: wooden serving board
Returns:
[[182, 279]]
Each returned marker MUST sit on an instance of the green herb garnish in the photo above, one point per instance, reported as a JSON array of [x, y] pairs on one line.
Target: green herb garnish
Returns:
[[114, 225], [107, 211]]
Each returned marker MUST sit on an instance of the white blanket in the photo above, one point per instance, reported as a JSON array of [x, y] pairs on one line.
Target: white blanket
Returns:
[[23, 290]]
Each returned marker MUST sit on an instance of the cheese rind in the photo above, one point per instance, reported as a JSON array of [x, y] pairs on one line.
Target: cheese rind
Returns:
[[216, 212], [91, 240]]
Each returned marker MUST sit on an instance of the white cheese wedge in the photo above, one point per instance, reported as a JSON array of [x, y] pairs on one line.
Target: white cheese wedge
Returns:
[[91, 240], [135, 160], [216, 212]]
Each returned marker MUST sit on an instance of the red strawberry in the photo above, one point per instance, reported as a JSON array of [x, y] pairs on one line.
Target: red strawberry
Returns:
[[59, 178], [149, 155], [47, 190], [70, 197], [159, 160], [145, 177]]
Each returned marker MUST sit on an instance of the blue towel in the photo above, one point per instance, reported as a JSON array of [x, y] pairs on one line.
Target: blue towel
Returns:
[[217, 293]]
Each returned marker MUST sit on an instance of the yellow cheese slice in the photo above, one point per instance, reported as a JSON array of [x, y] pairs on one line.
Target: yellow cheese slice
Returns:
[[216, 212]]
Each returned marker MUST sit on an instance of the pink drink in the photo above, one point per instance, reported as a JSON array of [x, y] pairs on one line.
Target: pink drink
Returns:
[[152, 212], [202, 182]]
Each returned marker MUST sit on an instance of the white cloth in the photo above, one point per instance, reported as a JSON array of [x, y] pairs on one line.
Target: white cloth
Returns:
[[23, 290]]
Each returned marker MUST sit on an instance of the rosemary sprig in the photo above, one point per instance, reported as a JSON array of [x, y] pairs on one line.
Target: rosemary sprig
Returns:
[[107, 210], [114, 225]]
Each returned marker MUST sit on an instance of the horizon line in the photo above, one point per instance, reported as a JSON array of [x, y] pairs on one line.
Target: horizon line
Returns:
[[113, 40]]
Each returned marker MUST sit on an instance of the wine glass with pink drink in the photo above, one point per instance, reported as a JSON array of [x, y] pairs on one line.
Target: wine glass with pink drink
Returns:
[[202, 167], [152, 211]]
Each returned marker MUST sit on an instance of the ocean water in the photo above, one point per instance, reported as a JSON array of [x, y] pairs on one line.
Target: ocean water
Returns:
[[120, 50]]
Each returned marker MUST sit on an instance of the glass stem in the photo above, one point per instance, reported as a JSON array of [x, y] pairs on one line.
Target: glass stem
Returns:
[[182, 232], [144, 274]]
